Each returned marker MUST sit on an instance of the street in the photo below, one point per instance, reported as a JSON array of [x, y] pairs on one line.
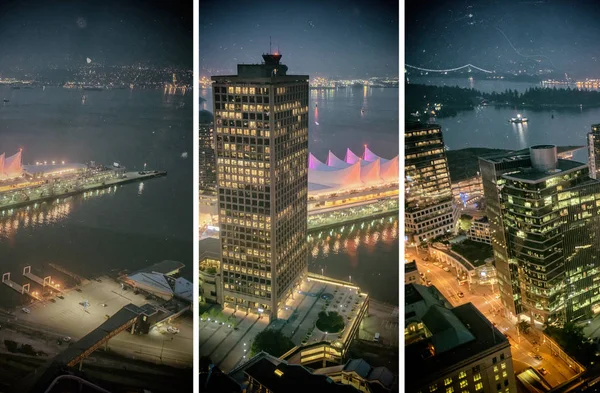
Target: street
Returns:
[[524, 347]]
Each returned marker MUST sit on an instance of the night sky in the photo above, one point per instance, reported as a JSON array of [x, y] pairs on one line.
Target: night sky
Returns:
[[62, 33], [504, 35], [328, 38]]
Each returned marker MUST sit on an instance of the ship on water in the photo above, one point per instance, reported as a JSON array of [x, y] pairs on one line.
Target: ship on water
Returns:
[[519, 119], [93, 88]]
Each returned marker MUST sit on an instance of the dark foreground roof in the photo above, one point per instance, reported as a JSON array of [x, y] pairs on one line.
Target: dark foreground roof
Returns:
[[286, 378], [487, 339]]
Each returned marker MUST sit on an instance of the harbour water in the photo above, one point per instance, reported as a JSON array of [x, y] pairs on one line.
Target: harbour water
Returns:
[[124, 227]]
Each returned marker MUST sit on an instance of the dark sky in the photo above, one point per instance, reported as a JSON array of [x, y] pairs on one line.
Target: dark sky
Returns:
[[502, 35], [354, 38], [112, 32]]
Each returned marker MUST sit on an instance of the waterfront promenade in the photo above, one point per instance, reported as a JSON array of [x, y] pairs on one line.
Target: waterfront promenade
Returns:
[[38, 194]]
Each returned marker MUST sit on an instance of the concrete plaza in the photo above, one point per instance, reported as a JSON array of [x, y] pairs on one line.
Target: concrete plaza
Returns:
[[68, 317], [228, 347]]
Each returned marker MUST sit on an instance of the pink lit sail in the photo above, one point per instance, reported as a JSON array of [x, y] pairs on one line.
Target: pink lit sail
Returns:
[[351, 158]]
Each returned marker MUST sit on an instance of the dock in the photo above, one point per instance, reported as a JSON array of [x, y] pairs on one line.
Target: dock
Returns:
[[128, 177], [23, 290], [44, 282]]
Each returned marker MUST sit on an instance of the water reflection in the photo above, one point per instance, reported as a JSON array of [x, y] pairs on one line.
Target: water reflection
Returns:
[[368, 251], [346, 239], [521, 130], [43, 214]]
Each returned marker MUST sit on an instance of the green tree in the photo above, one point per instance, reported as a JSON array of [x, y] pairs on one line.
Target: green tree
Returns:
[[466, 221], [524, 326], [271, 341]]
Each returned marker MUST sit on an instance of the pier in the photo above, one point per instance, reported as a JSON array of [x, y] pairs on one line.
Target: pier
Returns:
[[23, 290], [128, 177], [44, 282]]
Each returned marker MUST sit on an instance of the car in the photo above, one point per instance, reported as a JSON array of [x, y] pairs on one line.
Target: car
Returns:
[[106, 316], [428, 283], [539, 357], [58, 342], [461, 295], [53, 300], [66, 339], [26, 310], [78, 289], [61, 297], [103, 305], [173, 329], [446, 269], [377, 337], [543, 371]]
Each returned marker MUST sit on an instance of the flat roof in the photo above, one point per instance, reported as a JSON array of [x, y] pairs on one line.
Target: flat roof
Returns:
[[165, 267], [410, 267], [532, 175], [284, 378], [209, 247], [524, 154], [486, 339]]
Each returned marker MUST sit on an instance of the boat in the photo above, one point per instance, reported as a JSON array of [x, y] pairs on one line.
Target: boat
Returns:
[[94, 88], [518, 119], [6, 100]]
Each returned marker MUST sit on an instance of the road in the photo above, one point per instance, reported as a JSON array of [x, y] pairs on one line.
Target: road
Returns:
[[523, 347]]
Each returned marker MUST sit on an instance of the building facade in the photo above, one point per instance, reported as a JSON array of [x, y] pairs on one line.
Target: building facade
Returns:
[[429, 208], [480, 231], [593, 145], [206, 154], [261, 135], [492, 167], [552, 224]]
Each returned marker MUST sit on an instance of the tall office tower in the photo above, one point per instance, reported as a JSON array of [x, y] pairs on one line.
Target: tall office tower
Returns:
[[429, 208], [492, 167], [593, 144], [553, 225], [208, 163], [261, 128]]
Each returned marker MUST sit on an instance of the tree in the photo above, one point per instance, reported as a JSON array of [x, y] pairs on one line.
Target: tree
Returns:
[[466, 221], [330, 322], [524, 326], [271, 341]]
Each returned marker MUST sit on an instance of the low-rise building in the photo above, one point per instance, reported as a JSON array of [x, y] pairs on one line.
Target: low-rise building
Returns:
[[456, 350], [480, 231], [209, 276], [411, 273]]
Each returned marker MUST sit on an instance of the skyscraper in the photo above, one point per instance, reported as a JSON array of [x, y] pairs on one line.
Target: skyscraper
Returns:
[[551, 224], [261, 129], [206, 152], [429, 208], [593, 142], [492, 168]]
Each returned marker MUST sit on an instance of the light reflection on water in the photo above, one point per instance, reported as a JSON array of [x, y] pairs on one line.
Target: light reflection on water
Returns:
[[43, 214], [367, 251]]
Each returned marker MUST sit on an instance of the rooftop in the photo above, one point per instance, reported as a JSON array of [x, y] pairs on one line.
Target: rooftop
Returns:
[[460, 335], [410, 267], [532, 175], [286, 378], [524, 154], [166, 267]]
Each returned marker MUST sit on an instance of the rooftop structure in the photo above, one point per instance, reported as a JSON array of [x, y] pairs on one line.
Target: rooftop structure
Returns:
[[11, 167]]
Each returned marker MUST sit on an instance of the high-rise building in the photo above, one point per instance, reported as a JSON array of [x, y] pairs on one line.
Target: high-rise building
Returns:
[[429, 208], [593, 144], [550, 227], [492, 167], [206, 152], [261, 134], [553, 227]]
